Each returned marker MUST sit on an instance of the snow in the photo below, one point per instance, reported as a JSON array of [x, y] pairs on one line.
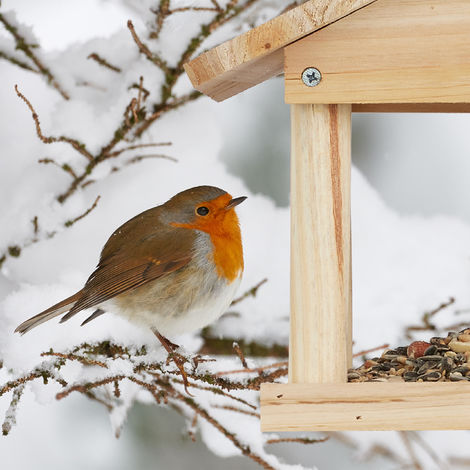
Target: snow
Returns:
[[403, 264]]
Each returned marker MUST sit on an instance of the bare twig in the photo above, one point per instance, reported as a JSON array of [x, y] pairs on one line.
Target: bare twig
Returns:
[[239, 353], [409, 447], [69, 223], [237, 410], [299, 440], [65, 167], [78, 146], [367, 351], [17, 62], [103, 62], [245, 449], [257, 370], [249, 293], [155, 58], [426, 319]]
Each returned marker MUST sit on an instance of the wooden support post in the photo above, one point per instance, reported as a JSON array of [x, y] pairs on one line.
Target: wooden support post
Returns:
[[320, 329]]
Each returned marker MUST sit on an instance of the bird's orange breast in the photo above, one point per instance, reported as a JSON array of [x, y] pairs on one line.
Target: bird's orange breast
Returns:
[[224, 230], [228, 253]]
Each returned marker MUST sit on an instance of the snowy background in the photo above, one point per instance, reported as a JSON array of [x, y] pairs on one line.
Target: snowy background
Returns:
[[411, 230]]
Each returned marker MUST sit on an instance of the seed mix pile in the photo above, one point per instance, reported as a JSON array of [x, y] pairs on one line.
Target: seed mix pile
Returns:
[[440, 359]]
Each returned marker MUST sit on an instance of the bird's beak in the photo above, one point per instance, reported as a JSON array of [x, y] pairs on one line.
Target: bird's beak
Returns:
[[234, 202]]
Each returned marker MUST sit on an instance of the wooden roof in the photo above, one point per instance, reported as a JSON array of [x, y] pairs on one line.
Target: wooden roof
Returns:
[[257, 55]]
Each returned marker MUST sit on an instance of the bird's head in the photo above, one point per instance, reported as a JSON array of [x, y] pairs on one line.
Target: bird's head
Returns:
[[204, 208]]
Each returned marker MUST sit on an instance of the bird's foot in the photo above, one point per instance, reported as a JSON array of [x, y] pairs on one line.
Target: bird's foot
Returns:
[[178, 359]]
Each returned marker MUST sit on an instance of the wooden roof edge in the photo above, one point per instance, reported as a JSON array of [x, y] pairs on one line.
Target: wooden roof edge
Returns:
[[254, 56]]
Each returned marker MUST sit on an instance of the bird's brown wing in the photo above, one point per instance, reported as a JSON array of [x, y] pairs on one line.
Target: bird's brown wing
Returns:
[[152, 254]]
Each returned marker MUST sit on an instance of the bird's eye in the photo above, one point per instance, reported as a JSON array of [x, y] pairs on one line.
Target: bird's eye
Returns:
[[203, 210]]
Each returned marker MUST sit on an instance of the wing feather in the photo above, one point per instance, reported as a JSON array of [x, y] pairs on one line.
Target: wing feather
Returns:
[[127, 269]]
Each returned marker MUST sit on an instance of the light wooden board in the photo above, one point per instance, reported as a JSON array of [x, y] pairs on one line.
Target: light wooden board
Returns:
[[320, 333], [412, 108], [365, 406], [393, 51], [256, 55]]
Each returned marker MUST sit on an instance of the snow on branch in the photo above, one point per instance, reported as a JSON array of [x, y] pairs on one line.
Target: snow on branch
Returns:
[[158, 378], [28, 49]]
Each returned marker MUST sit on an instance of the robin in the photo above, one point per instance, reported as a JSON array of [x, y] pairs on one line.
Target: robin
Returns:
[[174, 268]]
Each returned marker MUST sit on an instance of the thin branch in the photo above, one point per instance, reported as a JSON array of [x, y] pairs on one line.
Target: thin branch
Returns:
[[239, 353], [103, 62], [17, 62], [27, 49], [249, 293], [116, 153], [65, 167], [406, 441], [183, 9], [426, 319], [139, 158], [299, 440], [78, 146], [245, 449], [10, 415], [73, 357], [237, 410], [69, 223], [216, 5], [368, 351], [156, 59]]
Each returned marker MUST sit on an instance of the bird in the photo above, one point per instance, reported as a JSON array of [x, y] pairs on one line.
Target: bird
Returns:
[[174, 268]]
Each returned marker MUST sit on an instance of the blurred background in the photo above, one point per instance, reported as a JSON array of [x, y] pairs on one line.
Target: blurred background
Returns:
[[419, 165]]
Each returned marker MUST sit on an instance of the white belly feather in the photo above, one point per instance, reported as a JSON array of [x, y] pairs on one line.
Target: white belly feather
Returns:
[[199, 297]]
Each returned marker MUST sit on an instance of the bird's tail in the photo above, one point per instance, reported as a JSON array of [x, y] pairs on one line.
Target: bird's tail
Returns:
[[48, 314]]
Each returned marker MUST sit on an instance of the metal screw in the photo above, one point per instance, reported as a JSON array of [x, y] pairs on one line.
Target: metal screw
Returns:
[[311, 76]]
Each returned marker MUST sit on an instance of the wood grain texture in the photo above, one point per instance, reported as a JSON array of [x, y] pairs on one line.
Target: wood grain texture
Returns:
[[320, 334], [411, 108], [365, 406], [256, 55], [393, 51]]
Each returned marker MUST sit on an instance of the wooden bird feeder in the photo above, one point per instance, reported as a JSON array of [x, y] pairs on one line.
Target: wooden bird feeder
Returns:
[[338, 57]]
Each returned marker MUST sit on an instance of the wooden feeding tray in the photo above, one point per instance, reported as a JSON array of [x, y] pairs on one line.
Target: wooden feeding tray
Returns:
[[339, 57]]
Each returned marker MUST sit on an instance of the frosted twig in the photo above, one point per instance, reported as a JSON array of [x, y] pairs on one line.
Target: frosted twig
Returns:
[[217, 391], [74, 357], [244, 448], [10, 415], [17, 62], [239, 353], [27, 49], [155, 58]]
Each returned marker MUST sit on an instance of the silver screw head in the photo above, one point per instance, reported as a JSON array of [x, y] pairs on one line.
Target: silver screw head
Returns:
[[311, 76]]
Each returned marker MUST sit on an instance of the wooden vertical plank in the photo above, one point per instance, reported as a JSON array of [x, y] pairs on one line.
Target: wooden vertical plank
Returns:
[[320, 333]]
